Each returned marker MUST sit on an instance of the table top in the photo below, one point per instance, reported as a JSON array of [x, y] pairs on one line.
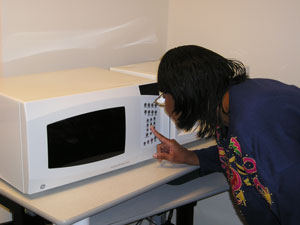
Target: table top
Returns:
[[74, 202], [162, 199]]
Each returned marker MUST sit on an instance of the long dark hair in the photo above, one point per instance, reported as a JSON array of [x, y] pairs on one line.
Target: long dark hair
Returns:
[[197, 79]]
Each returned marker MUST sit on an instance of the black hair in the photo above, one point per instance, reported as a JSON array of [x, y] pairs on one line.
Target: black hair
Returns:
[[197, 79]]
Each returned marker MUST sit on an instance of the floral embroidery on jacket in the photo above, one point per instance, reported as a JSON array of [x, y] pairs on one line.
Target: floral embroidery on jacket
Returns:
[[241, 171]]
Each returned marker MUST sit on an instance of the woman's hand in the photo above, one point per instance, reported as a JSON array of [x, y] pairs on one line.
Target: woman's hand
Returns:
[[170, 150]]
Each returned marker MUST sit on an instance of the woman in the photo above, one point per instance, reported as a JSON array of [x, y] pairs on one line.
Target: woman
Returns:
[[255, 123]]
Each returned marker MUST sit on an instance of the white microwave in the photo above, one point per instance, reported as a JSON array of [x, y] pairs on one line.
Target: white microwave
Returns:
[[61, 127], [149, 70]]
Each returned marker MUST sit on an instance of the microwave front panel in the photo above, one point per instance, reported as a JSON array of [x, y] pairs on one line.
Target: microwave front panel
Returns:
[[80, 118], [83, 126], [99, 148]]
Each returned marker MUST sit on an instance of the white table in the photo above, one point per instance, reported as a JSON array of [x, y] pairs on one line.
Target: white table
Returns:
[[78, 202], [162, 199]]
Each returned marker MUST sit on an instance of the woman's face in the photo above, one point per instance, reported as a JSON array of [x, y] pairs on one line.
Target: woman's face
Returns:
[[169, 107]]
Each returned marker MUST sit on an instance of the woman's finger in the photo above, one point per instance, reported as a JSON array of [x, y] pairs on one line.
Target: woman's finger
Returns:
[[159, 135]]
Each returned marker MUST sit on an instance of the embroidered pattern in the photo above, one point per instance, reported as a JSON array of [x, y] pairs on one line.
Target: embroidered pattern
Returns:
[[240, 170]]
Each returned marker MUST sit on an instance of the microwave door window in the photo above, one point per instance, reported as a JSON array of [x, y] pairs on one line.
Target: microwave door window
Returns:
[[86, 138]]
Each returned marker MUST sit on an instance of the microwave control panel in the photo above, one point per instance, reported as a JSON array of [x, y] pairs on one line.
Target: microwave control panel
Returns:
[[150, 117]]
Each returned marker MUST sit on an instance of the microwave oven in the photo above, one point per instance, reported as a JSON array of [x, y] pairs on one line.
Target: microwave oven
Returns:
[[60, 127], [149, 70]]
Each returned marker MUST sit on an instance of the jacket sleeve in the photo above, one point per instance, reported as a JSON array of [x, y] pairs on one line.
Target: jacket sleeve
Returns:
[[209, 160]]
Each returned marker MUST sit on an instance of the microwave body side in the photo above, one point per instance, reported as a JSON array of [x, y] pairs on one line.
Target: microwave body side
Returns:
[[30, 150], [11, 155], [182, 136]]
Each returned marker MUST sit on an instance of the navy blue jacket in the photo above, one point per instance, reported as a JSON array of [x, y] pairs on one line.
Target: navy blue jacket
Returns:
[[260, 153]]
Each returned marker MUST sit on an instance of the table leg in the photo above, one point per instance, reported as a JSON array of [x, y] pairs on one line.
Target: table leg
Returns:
[[16, 210], [185, 214], [19, 217]]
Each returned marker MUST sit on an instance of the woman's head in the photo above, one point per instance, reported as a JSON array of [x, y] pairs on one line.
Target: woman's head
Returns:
[[197, 79]]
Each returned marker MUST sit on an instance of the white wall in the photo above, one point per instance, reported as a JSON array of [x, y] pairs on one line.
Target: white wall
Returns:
[[1, 39], [41, 36], [263, 34], [216, 210]]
